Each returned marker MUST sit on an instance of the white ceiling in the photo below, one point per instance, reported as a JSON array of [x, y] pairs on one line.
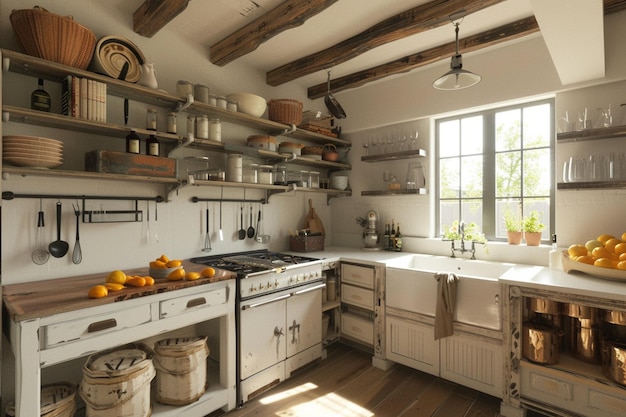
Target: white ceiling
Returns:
[[572, 29]]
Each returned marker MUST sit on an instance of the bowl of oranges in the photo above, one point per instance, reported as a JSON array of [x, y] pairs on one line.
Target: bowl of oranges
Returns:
[[604, 257], [162, 267]]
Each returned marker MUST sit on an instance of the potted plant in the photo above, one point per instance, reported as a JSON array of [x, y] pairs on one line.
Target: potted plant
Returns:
[[532, 229], [513, 226]]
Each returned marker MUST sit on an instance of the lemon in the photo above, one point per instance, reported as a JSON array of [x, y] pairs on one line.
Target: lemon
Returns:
[[602, 253], [620, 248], [192, 276], [592, 244], [116, 277], [585, 259], [173, 263], [176, 275], [149, 280], [98, 291], [163, 258], [624, 237], [621, 265], [576, 250], [114, 286], [158, 264], [208, 272], [622, 257], [604, 263], [603, 238], [611, 243]]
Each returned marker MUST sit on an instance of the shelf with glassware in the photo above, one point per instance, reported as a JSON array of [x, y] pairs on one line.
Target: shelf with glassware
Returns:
[[609, 132], [590, 185], [408, 154]]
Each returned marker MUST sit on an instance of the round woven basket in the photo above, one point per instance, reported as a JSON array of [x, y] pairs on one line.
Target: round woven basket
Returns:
[[285, 110], [53, 37]]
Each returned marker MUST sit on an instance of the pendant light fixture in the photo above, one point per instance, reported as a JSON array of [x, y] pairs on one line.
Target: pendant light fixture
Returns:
[[457, 78]]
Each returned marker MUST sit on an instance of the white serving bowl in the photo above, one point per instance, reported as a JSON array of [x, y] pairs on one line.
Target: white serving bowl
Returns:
[[250, 104], [339, 182], [158, 273]]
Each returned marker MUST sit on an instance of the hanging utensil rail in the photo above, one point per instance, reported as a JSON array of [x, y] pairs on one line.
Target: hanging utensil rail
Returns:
[[228, 200]]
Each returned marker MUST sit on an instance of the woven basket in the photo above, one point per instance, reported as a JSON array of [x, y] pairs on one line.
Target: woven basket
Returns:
[[286, 111], [55, 38]]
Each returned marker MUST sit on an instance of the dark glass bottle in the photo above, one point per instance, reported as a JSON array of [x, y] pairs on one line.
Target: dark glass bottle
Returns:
[[153, 147], [398, 242], [40, 99], [133, 142], [386, 237]]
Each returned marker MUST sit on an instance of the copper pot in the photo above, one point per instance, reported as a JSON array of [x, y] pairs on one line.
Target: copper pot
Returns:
[[541, 305], [615, 317], [614, 361], [541, 343], [585, 340]]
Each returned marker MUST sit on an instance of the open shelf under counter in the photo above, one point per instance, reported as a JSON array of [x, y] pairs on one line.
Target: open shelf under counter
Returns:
[[418, 191], [413, 153], [59, 121]]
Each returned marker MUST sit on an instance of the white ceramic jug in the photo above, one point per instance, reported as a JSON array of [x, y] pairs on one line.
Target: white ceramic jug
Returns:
[[148, 76]]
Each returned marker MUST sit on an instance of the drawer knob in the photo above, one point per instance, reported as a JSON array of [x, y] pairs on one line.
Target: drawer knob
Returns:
[[196, 302], [101, 325]]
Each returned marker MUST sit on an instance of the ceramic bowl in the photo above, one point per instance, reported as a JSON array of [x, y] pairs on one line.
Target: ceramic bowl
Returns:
[[339, 182], [250, 104], [157, 273]]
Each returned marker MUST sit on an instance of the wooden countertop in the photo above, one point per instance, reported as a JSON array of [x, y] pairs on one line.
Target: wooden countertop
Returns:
[[44, 298]]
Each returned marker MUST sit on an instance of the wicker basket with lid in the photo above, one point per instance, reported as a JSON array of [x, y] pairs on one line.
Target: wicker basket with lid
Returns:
[[285, 110]]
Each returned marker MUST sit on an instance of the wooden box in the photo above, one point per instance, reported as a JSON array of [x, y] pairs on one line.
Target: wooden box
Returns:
[[306, 243], [131, 164]]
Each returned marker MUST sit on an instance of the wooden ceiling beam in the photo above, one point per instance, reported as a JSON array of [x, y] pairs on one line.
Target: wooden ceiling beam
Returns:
[[410, 22], [153, 15], [288, 14], [515, 30]]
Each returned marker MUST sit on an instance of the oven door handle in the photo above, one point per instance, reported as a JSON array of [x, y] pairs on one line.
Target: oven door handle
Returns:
[[248, 306], [317, 287]]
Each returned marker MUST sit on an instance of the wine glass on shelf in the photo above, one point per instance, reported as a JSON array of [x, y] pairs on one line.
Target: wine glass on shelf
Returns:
[[413, 135], [390, 141], [402, 138]]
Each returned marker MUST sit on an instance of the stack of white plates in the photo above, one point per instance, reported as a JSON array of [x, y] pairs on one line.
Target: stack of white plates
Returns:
[[32, 151]]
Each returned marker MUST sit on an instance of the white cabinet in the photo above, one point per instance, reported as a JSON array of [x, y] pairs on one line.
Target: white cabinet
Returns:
[[47, 340], [412, 343], [357, 298]]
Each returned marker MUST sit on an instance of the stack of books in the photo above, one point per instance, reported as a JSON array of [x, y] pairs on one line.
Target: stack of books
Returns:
[[84, 98]]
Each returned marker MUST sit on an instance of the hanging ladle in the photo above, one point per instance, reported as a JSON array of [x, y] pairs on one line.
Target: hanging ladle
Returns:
[[332, 104], [242, 231], [58, 248]]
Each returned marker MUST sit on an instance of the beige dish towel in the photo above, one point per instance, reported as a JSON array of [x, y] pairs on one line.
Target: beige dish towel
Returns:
[[446, 302]]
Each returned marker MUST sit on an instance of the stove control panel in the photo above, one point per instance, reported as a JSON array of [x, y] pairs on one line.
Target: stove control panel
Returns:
[[274, 281]]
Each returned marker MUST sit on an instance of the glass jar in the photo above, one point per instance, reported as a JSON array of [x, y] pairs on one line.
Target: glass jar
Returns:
[[280, 175], [304, 178], [202, 127], [314, 179], [231, 105], [250, 173], [234, 166], [215, 130], [171, 122], [201, 93], [265, 174], [222, 102], [184, 88], [151, 119]]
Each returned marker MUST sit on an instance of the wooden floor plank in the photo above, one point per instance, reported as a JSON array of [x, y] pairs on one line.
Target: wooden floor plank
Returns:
[[454, 406], [405, 395], [436, 394]]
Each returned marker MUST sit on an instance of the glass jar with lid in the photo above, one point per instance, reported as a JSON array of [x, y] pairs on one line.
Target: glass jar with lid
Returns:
[[280, 174], [250, 173], [184, 88], [202, 126], [231, 105], [266, 174], [314, 179]]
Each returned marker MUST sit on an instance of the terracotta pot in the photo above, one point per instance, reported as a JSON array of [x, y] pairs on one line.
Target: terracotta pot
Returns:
[[514, 238], [532, 238]]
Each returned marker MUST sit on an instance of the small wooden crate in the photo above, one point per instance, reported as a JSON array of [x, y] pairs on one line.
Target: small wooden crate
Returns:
[[306, 243], [130, 164]]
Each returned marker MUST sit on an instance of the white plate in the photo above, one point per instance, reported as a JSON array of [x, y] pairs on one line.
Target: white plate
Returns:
[[607, 273], [33, 155], [32, 140], [34, 152], [32, 162], [7, 147]]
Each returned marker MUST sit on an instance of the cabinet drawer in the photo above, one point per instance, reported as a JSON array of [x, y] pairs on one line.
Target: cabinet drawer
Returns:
[[357, 328], [357, 296], [91, 326], [358, 275], [180, 305]]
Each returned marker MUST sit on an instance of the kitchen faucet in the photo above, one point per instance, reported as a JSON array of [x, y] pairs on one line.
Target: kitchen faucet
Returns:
[[461, 231]]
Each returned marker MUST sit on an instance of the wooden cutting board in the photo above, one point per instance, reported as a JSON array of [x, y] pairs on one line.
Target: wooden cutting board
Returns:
[[45, 298], [313, 222]]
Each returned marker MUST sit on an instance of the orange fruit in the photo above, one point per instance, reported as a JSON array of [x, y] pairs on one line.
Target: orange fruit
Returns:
[[621, 265], [116, 277], [176, 275], [149, 280], [98, 291], [622, 257], [576, 250], [192, 276], [208, 272], [611, 243], [158, 264], [136, 282], [592, 244], [173, 263], [603, 263], [163, 258], [620, 248], [603, 238], [112, 286], [624, 237], [602, 253], [585, 259]]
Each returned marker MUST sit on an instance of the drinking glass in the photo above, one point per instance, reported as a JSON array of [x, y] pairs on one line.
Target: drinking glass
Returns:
[[578, 169]]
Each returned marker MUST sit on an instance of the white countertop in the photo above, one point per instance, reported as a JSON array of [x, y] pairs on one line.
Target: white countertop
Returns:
[[529, 276]]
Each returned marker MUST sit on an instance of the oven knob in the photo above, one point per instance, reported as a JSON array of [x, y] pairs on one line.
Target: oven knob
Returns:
[[260, 286], [252, 289], [269, 285], [291, 280], [275, 283]]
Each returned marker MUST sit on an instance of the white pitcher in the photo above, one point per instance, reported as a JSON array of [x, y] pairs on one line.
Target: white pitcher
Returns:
[[148, 76]]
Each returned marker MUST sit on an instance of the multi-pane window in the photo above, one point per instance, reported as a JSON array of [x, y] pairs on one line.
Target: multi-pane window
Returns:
[[496, 163]]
